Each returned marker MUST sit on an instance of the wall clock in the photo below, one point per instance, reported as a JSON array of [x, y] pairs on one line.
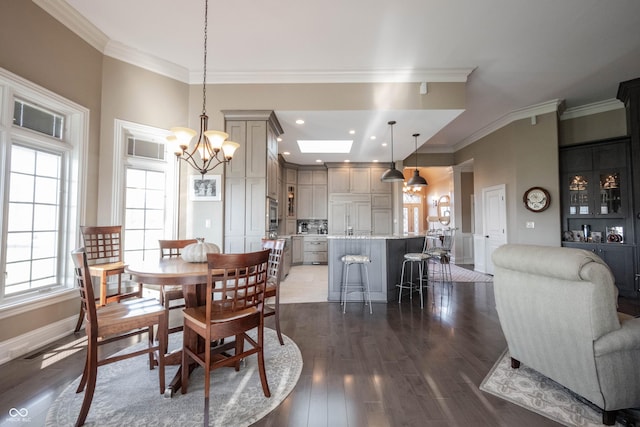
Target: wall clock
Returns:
[[536, 199]]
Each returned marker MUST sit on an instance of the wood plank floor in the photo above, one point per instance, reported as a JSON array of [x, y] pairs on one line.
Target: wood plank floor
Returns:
[[401, 366]]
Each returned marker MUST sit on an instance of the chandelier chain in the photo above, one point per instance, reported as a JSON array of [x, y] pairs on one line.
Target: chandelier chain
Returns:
[[204, 74]]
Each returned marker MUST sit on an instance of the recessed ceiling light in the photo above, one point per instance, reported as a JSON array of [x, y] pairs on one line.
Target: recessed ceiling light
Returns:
[[384, 144], [279, 139], [286, 153], [347, 161], [318, 161], [352, 132], [375, 161], [373, 137], [300, 122], [325, 146]]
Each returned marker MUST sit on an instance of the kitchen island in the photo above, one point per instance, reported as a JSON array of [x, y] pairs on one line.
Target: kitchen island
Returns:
[[386, 253]]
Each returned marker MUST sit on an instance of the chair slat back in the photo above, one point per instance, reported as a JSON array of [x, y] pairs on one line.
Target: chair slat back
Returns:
[[447, 239], [83, 281], [173, 248], [242, 283], [102, 244], [276, 247]]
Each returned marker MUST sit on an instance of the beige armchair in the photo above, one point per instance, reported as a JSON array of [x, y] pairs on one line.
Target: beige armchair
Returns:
[[557, 309]]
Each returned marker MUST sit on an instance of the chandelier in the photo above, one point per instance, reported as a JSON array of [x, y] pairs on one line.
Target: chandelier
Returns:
[[212, 147]]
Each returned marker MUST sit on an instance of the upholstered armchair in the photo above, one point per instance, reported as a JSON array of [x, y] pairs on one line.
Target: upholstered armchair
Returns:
[[557, 309]]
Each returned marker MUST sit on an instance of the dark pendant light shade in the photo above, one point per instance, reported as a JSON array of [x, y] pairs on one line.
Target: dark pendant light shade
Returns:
[[416, 180], [392, 174]]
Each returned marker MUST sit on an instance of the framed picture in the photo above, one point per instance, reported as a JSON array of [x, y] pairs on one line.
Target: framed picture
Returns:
[[596, 236], [205, 190]]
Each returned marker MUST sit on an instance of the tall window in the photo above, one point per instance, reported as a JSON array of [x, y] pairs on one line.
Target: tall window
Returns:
[[42, 145], [149, 188]]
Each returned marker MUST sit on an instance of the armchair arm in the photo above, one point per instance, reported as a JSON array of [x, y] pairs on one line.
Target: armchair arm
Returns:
[[627, 338]]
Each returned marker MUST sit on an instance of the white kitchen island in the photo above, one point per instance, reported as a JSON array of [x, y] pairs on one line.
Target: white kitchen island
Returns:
[[387, 253]]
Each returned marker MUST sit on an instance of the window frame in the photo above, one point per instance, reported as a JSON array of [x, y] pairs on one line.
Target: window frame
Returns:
[[73, 147]]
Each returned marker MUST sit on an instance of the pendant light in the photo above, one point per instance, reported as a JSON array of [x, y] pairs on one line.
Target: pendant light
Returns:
[[416, 180], [392, 174]]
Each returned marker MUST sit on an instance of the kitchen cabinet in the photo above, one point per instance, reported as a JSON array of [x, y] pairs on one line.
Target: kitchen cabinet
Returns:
[[250, 177], [315, 249], [312, 194], [378, 186], [619, 258], [312, 202], [350, 180], [595, 191], [297, 254], [349, 212]]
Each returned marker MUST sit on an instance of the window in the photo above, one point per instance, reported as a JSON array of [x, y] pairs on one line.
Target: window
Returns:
[[149, 187], [42, 145]]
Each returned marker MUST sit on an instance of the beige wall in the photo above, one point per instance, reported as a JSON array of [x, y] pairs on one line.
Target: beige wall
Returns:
[[40, 49], [519, 155], [466, 191], [593, 127]]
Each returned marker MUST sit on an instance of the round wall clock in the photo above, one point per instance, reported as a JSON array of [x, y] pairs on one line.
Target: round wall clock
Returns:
[[536, 199]]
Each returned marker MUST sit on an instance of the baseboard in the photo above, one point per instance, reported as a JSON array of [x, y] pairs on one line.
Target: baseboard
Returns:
[[16, 347]]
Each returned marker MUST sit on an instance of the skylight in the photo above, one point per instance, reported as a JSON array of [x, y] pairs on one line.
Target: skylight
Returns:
[[325, 146]]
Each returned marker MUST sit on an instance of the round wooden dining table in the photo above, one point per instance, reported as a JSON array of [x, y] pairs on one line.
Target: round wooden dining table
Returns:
[[174, 272]]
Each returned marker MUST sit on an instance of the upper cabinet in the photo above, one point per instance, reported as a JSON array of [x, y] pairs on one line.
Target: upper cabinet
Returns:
[[312, 194], [378, 186], [355, 180]]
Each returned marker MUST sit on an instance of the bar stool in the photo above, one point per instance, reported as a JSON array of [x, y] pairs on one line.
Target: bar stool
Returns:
[[357, 252], [439, 260], [410, 259]]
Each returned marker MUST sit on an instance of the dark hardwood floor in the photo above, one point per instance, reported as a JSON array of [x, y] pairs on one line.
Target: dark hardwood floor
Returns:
[[400, 366]]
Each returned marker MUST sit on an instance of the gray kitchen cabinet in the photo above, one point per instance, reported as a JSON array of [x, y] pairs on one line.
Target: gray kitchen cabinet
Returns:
[[349, 212], [297, 254], [315, 249], [350, 180]]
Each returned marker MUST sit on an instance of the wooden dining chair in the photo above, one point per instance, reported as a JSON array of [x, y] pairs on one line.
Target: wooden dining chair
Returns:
[[172, 249], [234, 305], [103, 246], [276, 246], [114, 322]]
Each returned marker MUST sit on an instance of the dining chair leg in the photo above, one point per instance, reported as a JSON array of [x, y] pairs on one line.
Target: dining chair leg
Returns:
[[92, 373], [163, 338], [261, 367], [277, 316]]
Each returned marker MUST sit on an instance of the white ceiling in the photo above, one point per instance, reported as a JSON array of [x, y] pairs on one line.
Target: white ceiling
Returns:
[[522, 53]]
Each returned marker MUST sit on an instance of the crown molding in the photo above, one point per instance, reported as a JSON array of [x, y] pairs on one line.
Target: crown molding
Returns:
[[70, 18], [149, 62], [589, 109], [449, 75], [523, 113]]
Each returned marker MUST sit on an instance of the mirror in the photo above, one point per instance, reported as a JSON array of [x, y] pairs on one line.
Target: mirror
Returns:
[[444, 210]]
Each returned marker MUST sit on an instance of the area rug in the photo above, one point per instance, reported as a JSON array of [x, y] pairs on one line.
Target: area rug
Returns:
[[460, 274], [127, 392], [535, 392]]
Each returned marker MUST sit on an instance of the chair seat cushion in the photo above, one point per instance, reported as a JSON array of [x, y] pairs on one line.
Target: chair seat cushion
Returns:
[[417, 256], [198, 314], [355, 259]]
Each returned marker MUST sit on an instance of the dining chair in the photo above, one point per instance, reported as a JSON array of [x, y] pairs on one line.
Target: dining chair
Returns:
[[276, 246], [172, 249], [112, 322], [440, 259], [234, 306], [103, 247]]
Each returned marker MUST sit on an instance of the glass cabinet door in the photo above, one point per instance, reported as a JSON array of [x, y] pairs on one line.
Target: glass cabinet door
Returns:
[[610, 200], [579, 197]]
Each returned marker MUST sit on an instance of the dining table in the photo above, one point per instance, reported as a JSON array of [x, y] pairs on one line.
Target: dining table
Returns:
[[174, 271]]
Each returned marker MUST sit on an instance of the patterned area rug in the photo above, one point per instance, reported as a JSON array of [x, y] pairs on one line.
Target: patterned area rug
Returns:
[[535, 392], [460, 274], [127, 392]]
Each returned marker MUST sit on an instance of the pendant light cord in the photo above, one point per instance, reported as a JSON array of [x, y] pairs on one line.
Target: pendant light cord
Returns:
[[204, 74]]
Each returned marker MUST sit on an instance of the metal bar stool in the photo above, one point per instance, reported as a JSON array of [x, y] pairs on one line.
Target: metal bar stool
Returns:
[[439, 260], [410, 259], [357, 252]]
